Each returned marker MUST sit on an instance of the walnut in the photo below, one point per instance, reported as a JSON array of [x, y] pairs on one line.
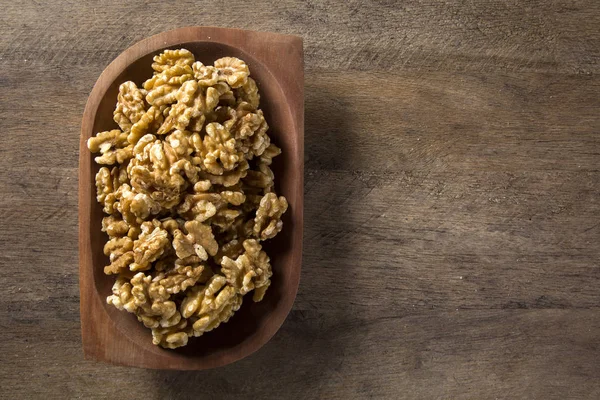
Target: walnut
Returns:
[[194, 297], [108, 183], [268, 222], [161, 187], [119, 250], [219, 150], [253, 137], [156, 171], [270, 152], [162, 95], [130, 106], [140, 128], [134, 206], [199, 205], [197, 208], [247, 121], [180, 277], [151, 244], [174, 75], [199, 241], [182, 142], [163, 86], [105, 190], [210, 305], [206, 75], [141, 150], [172, 337], [191, 104], [122, 298], [248, 93], [114, 226], [112, 145], [188, 196], [147, 299], [226, 307], [249, 271], [249, 128], [105, 141], [170, 58], [232, 70]]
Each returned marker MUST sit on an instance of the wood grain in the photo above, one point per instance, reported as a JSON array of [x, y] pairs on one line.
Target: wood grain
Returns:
[[443, 140]]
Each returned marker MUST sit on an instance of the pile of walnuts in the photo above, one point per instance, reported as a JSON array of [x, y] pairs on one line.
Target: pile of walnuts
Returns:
[[188, 192]]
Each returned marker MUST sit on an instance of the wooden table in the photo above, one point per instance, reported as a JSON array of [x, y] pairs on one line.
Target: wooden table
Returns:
[[452, 200]]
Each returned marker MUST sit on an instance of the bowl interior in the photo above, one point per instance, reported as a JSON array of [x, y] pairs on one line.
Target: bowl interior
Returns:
[[250, 323]]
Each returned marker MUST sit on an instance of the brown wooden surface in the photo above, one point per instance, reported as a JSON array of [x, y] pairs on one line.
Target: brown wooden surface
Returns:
[[452, 213], [276, 64]]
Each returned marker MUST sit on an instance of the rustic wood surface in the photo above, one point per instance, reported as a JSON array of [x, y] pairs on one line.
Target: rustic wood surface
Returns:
[[452, 195]]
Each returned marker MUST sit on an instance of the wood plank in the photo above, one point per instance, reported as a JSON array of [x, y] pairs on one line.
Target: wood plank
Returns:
[[443, 140], [497, 35], [549, 354]]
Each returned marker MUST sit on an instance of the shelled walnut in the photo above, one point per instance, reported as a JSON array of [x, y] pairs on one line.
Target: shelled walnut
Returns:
[[189, 194]]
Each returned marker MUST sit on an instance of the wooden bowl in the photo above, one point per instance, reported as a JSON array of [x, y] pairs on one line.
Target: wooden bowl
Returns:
[[276, 63]]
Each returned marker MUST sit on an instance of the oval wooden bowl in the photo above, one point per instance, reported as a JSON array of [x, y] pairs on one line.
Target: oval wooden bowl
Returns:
[[276, 63]]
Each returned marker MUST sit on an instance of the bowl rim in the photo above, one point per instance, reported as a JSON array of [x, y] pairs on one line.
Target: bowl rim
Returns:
[[101, 347]]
